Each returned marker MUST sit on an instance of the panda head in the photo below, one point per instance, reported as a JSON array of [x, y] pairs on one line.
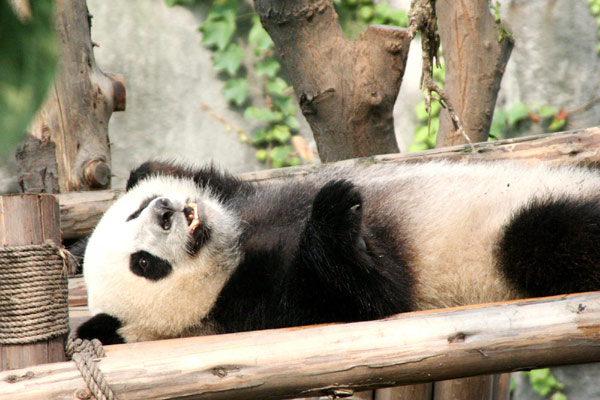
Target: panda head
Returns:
[[159, 257]]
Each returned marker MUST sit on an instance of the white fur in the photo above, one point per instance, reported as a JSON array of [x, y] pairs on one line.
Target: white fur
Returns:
[[173, 305], [453, 216]]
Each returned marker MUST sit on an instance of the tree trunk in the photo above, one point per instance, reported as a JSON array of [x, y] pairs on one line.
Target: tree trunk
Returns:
[[73, 124], [346, 89], [476, 50]]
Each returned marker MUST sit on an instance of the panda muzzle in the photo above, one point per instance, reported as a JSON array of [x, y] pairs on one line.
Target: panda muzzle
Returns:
[[164, 210]]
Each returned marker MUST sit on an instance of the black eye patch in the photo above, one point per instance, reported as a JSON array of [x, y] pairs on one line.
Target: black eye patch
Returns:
[[149, 266], [141, 208]]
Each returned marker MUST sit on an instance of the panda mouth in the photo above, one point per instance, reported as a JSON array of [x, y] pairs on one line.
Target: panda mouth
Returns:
[[198, 230], [191, 216]]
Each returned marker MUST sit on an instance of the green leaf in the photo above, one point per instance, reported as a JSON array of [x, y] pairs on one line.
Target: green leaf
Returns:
[[269, 68], [421, 113], [292, 122], [421, 134], [219, 26], [261, 155], [229, 60], [276, 86], [547, 111], [259, 138], [436, 107], [172, 3], [418, 146], [399, 18], [281, 133], [558, 396], [293, 161], [366, 13], [557, 124], [285, 104], [258, 36], [263, 115], [217, 33], [498, 124], [516, 113], [279, 154], [28, 54], [236, 91]]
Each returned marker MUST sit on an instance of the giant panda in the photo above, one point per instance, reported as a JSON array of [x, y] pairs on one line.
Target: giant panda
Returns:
[[195, 250]]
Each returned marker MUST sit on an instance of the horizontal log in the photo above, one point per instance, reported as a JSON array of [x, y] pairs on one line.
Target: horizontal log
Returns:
[[337, 359], [81, 211]]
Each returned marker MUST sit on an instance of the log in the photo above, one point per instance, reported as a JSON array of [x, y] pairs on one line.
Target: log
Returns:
[[340, 358], [79, 212], [24, 220], [72, 127]]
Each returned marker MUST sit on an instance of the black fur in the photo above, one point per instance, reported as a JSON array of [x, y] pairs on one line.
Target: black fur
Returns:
[[309, 257], [552, 246], [313, 265], [222, 184], [149, 266], [141, 208], [102, 327]]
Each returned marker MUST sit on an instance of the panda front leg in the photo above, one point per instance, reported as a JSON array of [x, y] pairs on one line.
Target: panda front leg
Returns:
[[332, 277], [103, 327]]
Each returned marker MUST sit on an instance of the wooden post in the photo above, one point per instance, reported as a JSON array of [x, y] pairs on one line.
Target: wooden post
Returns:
[[26, 220], [68, 148]]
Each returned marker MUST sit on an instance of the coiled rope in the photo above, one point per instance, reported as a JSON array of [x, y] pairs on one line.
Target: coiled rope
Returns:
[[33, 292], [34, 306]]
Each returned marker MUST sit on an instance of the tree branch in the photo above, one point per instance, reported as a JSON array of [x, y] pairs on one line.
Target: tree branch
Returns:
[[346, 89], [476, 51]]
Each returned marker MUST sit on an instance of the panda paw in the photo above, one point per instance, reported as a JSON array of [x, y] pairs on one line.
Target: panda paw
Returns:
[[338, 206], [103, 327]]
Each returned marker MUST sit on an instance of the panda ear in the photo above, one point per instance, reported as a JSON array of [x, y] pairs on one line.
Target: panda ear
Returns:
[[157, 168]]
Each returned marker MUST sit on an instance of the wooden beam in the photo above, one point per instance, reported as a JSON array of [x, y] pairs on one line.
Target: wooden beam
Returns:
[[338, 359], [79, 212]]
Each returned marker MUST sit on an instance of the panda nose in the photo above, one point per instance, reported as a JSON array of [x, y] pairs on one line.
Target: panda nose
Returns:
[[163, 210]]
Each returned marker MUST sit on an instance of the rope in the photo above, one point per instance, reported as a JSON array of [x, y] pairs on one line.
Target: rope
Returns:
[[33, 292], [34, 306], [85, 354]]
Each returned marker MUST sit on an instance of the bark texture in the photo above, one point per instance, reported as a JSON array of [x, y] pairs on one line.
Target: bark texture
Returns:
[[475, 59], [74, 120], [346, 89]]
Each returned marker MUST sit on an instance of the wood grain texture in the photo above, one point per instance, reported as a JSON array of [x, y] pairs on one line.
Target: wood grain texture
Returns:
[[29, 219], [310, 361], [74, 119]]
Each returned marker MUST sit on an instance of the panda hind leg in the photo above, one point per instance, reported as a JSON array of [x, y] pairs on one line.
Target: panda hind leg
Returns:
[[552, 246]]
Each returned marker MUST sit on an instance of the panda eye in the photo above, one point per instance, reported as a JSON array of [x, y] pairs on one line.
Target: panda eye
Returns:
[[149, 266]]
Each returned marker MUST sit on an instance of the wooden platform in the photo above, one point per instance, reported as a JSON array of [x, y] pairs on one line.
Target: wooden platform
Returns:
[[78, 309]]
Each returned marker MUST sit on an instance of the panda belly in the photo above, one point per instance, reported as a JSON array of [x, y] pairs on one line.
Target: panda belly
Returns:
[[454, 261], [465, 225]]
